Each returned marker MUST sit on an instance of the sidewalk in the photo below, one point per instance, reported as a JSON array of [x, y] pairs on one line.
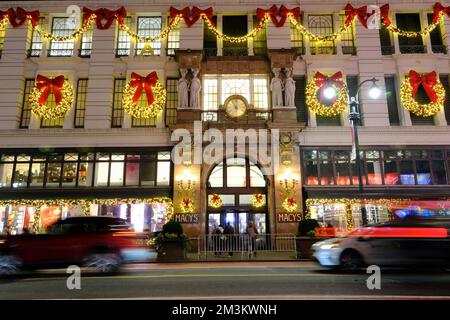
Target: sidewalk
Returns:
[[260, 257]]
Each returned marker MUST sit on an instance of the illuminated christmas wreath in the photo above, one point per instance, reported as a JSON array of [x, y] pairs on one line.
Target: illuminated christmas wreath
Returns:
[[216, 201], [290, 204], [63, 96], [315, 95], [258, 200], [155, 93], [187, 205], [433, 88]]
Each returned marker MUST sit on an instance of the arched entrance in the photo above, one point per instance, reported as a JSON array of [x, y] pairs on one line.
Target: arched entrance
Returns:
[[237, 181]]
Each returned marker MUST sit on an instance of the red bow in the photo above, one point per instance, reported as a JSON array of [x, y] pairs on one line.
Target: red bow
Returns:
[[105, 14], [351, 13], [47, 85], [384, 13], [195, 12], [438, 8], [428, 81], [322, 81], [18, 17], [273, 13], [140, 83]]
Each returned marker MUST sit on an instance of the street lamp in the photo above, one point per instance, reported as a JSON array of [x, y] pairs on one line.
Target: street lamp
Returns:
[[374, 92], [355, 116]]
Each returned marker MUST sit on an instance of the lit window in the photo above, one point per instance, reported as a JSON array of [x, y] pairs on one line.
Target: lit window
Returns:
[[235, 86], [2, 39], [86, 43], [260, 93], [321, 25], [210, 94], [348, 38], [296, 39], [173, 40], [52, 123], [62, 27], [149, 27], [36, 41], [117, 107], [236, 172], [123, 40], [80, 105]]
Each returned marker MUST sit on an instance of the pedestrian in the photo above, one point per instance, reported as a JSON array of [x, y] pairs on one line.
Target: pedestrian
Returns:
[[229, 231], [218, 240], [253, 234]]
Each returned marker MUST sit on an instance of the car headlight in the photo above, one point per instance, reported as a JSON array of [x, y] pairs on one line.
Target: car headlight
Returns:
[[328, 246]]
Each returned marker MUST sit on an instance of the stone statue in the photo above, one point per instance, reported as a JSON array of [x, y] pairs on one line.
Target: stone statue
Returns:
[[276, 86], [183, 87], [289, 89], [195, 88]]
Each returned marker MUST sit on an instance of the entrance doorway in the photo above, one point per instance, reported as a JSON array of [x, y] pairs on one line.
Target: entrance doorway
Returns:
[[237, 181]]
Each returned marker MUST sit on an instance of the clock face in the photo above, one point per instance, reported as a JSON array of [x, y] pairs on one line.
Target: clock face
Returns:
[[236, 107]]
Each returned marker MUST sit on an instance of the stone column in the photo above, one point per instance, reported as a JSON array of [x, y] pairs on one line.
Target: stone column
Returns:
[[370, 64], [101, 79], [12, 64]]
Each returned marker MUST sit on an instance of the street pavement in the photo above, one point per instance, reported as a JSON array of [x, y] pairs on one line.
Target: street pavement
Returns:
[[232, 280]]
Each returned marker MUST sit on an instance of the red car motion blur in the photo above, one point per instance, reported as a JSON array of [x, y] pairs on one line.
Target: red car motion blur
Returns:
[[100, 243]]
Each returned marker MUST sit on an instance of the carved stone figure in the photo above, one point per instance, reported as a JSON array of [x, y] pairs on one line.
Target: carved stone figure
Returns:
[[195, 88], [276, 86], [289, 89], [183, 88]]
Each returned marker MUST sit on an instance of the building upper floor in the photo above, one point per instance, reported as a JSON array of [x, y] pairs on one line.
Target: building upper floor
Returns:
[[99, 62]]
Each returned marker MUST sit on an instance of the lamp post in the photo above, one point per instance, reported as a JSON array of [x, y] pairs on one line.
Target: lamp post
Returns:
[[355, 117]]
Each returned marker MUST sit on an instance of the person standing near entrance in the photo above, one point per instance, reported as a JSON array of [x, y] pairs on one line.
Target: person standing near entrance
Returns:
[[218, 240], [229, 231], [253, 234]]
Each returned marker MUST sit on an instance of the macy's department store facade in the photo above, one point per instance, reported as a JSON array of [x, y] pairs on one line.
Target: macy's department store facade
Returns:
[[230, 69]]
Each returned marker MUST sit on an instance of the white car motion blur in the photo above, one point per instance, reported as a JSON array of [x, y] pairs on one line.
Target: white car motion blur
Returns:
[[407, 243]]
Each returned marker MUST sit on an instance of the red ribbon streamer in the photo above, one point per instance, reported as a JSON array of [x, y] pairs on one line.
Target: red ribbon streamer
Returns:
[[428, 81], [19, 16], [273, 13], [47, 85], [191, 16], [141, 83], [322, 81], [360, 13], [384, 13], [438, 8], [105, 14]]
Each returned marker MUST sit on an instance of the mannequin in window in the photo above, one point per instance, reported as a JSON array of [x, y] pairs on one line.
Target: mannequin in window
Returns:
[[276, 86], [183, 98], [289, 89], [195, 88]]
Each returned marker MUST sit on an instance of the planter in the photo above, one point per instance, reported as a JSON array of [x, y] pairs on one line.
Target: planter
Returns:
[[304, 245], [171, 251]]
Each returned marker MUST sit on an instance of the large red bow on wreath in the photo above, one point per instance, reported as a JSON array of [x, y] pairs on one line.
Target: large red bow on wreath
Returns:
[[322, 81], [384, 13], [428, 81], [141, 83], [18, 17], [105, 14], [273, 13], [195, 13], [47, 86], [351, 13], [438, 8]]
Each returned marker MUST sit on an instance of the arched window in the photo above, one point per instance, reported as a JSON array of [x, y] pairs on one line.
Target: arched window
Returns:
[[236, 173]]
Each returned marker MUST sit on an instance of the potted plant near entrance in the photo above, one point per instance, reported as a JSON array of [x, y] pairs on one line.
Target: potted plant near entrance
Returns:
[[306, 237], [171, 243]]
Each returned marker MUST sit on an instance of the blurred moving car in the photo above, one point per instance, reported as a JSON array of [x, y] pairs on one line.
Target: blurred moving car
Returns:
[[410, 242], [99, 243]]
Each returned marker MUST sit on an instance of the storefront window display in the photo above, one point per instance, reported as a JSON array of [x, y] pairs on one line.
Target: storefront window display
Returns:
[[345, 214], [144, 215]]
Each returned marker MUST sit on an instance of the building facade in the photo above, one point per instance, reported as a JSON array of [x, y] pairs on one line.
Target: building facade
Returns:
[[97, 159]]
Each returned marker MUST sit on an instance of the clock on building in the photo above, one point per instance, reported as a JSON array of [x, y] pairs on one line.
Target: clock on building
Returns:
[[235, 106]]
